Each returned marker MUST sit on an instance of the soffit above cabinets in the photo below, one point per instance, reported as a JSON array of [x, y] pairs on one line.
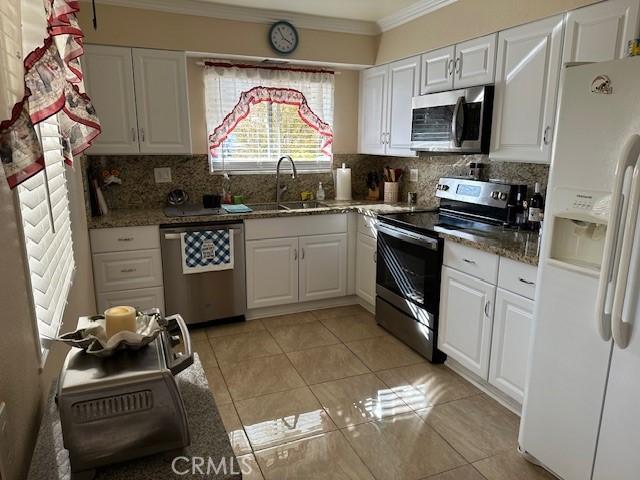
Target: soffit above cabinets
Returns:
[[364, 17]]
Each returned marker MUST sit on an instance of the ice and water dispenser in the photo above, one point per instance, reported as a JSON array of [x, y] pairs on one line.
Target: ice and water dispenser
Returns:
[[579, 228]]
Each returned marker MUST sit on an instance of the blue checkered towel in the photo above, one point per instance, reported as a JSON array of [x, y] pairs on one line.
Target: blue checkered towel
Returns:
[[207, 251]]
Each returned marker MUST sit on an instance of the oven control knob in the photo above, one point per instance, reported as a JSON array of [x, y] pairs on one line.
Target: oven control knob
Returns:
[[495, 195], [503, 196]]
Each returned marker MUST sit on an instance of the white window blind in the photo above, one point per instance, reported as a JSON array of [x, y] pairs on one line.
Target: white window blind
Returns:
[[44, 206], [11, 68], [270, 130]]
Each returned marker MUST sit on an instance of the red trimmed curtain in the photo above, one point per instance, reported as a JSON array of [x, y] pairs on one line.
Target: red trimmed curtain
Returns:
[[257, 114], [52, 85]]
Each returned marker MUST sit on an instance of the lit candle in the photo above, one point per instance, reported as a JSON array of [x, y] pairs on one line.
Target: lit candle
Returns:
[[119, 319]]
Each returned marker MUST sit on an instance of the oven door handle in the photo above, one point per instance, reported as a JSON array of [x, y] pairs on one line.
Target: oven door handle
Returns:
[[415, 238]]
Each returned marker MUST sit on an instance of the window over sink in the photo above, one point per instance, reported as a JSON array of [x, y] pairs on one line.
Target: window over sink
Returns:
[[256, 114]]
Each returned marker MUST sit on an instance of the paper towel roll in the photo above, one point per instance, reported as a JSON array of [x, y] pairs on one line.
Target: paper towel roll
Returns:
[[343, 183]]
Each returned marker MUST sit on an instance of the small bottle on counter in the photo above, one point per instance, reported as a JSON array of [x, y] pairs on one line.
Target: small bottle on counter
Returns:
[[521, 214], [536, 209], [320, 193]]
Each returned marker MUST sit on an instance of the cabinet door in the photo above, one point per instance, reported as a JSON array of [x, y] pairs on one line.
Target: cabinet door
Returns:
[[272, 272], [527, 72], [600, 32], [512, 325], [404, 84], [366, 268], [373, 110], [108, 79], [437, 70], [475, 62], [161, 100], [323, 266], [466, 311], [142, 299]]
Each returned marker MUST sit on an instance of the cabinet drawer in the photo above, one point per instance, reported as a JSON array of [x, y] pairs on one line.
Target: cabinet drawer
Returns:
[[127, 270], [142, 299], [367, 226], [124, 238], [469, 260], [518, 277]]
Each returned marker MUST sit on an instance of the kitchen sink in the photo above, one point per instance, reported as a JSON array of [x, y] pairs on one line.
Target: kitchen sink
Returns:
[[262, 207]]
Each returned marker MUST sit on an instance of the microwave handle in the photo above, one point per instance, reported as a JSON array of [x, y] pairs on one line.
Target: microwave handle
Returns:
[[458, 127]]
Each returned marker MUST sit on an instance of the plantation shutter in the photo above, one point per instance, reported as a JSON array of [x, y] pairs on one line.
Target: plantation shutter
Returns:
[[270, 129], [44, 205], [11, 68]]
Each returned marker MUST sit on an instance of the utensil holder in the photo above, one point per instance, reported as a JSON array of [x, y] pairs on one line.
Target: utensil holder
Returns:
[[391, 192]]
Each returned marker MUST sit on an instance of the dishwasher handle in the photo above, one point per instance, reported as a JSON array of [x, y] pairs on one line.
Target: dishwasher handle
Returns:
[[176, 236]]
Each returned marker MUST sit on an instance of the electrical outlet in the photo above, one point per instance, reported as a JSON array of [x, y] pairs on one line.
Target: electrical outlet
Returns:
[[162, 175], [6, 452], [413, 174]]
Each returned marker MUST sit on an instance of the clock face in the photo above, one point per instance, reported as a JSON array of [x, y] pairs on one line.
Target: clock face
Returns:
[[283, 37]]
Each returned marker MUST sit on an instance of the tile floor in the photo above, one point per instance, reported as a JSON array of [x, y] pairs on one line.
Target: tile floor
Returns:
[[330, 395]]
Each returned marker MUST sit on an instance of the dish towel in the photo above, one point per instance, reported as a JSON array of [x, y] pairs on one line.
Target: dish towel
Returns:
[[238, 208], [206, 251]]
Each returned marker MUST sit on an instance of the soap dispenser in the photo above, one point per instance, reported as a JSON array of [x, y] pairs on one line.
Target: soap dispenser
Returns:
[[320, 193]]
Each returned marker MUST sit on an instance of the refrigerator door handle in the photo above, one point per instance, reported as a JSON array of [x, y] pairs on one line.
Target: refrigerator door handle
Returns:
[[629, 158], [620, 328]]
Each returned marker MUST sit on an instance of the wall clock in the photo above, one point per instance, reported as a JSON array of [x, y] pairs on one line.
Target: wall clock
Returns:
[[283, 37]]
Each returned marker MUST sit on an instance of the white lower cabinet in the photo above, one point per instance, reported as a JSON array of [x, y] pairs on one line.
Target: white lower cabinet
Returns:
[[366, 268], [323, 266], [127, 267], [295, 269], [272, 272], [466, 305], [512, 324]]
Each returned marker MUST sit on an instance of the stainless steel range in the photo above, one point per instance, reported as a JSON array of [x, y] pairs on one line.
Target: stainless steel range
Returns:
[[410, 250]]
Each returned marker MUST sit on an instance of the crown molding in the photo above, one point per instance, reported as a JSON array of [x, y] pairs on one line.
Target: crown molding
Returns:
[[254, 15], [407, 14]]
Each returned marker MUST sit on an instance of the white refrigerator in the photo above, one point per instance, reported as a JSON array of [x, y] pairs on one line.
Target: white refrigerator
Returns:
[[581, 414]]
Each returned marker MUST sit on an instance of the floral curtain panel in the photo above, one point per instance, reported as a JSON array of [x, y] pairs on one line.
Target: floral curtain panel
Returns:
[[53, 83], [234, 93]]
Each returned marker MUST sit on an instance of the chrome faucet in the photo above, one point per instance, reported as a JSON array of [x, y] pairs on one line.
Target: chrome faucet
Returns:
[[281, 190]]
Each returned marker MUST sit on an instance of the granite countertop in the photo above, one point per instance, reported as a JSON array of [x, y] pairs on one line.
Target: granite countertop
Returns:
[[156, 216], [516, 245], [50, 460]]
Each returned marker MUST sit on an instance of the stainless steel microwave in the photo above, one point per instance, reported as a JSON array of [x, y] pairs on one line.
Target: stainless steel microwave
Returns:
[[453, 121]]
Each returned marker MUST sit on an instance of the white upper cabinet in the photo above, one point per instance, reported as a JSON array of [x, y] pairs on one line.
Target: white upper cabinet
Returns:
[[600, 32], [437, 70], [404, 81], [527, 72], [475, 62], [373, 110], [385, 107], [141, 100], [108, 78], [161, 99], [463, 65]]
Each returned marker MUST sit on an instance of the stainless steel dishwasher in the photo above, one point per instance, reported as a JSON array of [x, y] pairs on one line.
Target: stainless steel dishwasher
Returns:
[[206, 296]]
